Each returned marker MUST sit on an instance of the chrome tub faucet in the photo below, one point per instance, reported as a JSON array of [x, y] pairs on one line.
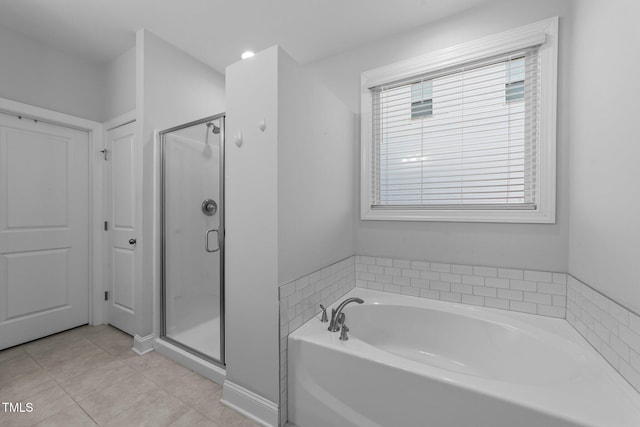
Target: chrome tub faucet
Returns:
[[334, 326]]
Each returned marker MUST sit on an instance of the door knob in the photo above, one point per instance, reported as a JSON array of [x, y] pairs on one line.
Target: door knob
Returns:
[[132, 241]]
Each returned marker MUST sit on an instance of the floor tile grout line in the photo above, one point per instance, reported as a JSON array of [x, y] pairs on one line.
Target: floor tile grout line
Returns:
[[188, 404], [60, 409]]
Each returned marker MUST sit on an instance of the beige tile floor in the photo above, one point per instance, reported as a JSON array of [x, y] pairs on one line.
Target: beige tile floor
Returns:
[[90, 376]]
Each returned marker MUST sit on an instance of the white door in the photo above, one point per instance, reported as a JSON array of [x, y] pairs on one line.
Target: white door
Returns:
[[44, 229], [122, 228]]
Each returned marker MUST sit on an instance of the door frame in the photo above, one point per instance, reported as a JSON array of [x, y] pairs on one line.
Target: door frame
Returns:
[[96, 239], [116, 122]]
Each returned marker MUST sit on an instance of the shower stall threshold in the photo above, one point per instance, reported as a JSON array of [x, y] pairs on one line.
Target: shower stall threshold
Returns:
[[205, 368]]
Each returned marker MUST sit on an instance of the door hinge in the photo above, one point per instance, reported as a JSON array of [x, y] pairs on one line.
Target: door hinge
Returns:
[[106, 295], [106, 225], [104, 152]]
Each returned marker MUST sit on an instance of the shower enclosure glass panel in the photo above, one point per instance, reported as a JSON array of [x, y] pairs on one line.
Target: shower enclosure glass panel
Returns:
[[193, 237]]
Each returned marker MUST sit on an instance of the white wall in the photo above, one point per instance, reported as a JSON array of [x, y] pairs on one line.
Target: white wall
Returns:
[[120, 86], [172, 88], [316, 157], [604, 193], [251, 260], [36, 74], [542, 247], [290, 202]]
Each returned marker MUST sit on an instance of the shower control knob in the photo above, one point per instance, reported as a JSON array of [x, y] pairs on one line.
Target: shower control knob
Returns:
[[132, 241]]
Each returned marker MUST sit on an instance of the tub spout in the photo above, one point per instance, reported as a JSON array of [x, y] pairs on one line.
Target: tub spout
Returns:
[[334, 326]]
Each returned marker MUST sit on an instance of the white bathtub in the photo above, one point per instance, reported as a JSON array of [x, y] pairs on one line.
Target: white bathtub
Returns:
[[418, 362]]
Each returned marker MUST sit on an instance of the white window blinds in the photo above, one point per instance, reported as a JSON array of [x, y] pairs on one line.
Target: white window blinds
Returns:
[[459, 138]]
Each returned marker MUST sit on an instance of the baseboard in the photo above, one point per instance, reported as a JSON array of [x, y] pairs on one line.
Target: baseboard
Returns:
[[207, 369], [250, 404], [142, 345]]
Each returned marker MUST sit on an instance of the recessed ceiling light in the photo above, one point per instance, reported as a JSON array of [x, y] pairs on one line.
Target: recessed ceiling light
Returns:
[[247, 54]]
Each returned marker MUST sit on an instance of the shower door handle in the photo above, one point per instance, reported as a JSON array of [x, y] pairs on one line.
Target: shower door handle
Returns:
[[206, 240]]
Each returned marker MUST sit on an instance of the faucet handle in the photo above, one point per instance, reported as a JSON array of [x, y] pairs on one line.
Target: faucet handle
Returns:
[[333, 320], [343, 333], [324, 314]]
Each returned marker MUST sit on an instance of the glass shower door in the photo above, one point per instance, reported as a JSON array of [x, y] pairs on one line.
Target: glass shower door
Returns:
[[193, 237]]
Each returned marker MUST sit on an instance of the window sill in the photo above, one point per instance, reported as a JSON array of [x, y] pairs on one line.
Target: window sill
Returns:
[[533, 216]]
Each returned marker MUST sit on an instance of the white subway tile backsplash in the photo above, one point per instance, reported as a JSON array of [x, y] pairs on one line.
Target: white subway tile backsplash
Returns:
[[430, 275], [559, 300], [439, 285], [538, 276], [472, 299], [607, 327], [620, 347], [495, 282], [401, 280], [461, 288], [551, 310], [420, 283], [450, 277], [286, 290], [402, 263], [525, 307], [450, 296], [473, 280], [479, 285], [428, 293], [394, 289], [365, 260], [510, 273], [510, 294], [559, 278], [413, 274], [461, 269], [419, 265], [629, 337], [502, 304], [634, 323], [393, 271], [385, 262], [375, 269], [552, 288], [485, 291], [485, 271], [409, 290], [442, 268], [537, 298], [523, 285]]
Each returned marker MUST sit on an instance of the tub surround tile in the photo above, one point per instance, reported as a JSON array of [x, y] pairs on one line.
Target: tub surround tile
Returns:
[[300, 299], [613, 330], [529, 291]]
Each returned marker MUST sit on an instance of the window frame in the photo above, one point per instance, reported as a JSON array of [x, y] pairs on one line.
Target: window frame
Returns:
[[543, 33]]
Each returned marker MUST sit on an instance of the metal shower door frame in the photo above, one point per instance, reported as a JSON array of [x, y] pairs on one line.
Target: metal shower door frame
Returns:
[[221, 239]]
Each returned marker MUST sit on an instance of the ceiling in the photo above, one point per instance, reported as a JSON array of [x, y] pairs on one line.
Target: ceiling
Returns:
[[217, 31]]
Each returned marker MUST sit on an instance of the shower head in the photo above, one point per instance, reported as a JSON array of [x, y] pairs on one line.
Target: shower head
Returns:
[[215, 129]]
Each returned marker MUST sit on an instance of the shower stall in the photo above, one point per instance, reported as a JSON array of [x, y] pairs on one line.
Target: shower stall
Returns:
[[192, 238]]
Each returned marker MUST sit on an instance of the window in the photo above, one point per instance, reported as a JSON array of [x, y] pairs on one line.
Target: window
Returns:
[[515, 75], [421, 99], [466, 134]]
